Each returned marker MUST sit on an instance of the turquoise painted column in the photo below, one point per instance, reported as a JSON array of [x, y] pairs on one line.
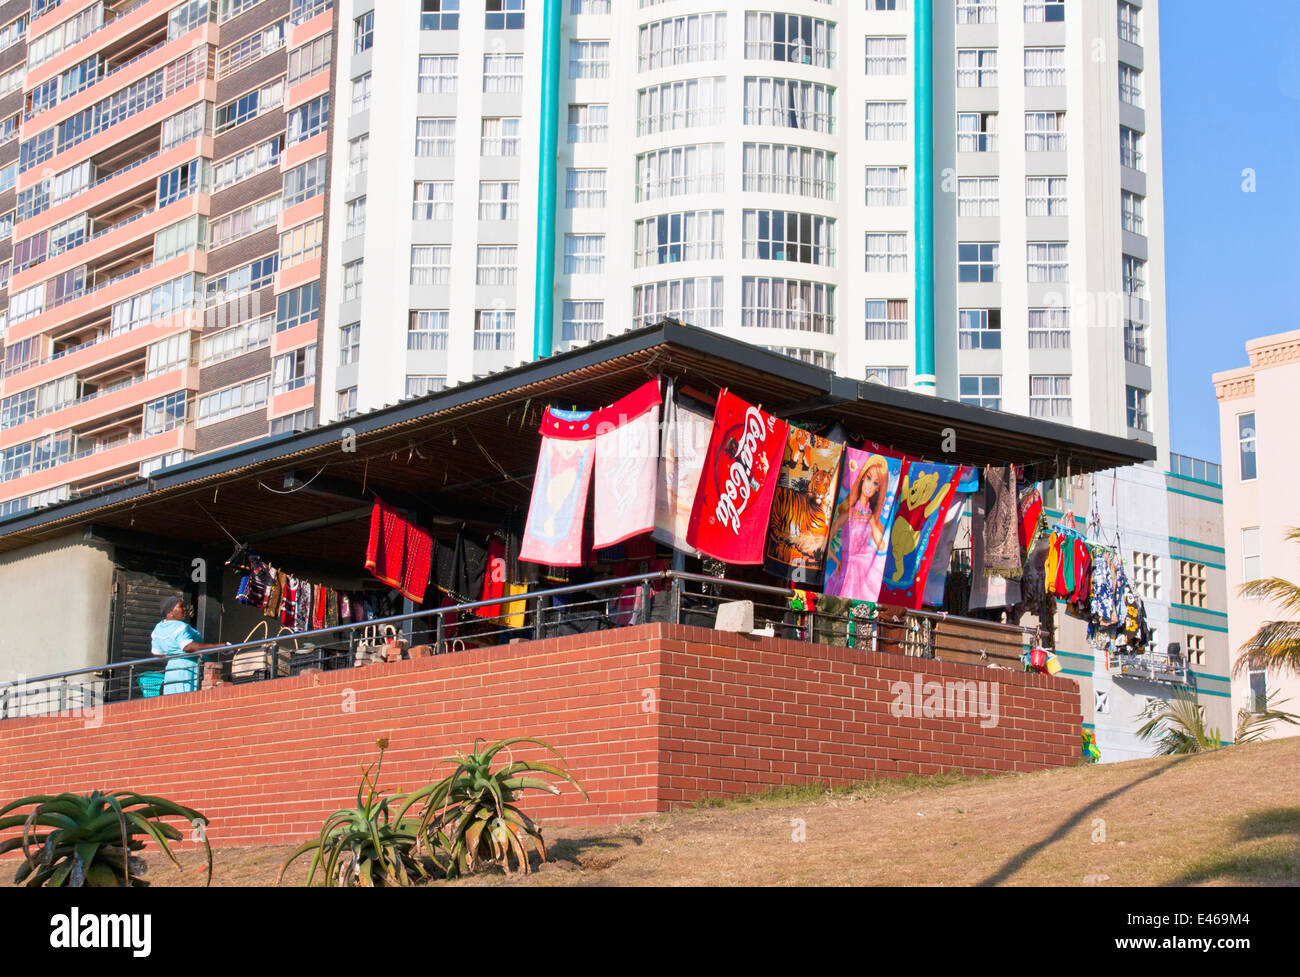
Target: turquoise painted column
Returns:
[[544, 279], [923, 85]]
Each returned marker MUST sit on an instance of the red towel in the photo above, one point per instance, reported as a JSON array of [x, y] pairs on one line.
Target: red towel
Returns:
[[494, 581], [399, 553]]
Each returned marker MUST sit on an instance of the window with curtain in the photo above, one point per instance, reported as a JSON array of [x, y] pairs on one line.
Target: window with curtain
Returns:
[[1049, 328], [977, 132], [669, 238], [886, 319], [794, 170]]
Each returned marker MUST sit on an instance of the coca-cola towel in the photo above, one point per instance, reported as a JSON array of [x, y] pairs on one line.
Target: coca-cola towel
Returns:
[[553, 533], [734, 500], [800, 525], [627, 460], [924, 496], [682, 455]]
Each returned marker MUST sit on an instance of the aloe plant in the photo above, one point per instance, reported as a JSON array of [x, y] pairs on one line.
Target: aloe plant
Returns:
[[471, 817], [92, 837], [364, 845]]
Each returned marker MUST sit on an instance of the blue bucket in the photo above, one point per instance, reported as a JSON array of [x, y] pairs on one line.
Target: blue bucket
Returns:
[[151, 684]]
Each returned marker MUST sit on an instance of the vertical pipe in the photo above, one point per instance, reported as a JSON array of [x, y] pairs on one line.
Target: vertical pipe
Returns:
[[544, 279], [923, 85]]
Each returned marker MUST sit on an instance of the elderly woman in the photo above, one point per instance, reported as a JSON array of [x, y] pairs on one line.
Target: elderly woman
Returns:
[[174, 635]]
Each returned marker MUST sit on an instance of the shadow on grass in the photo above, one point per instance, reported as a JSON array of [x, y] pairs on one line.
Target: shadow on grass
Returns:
[[1018, 861], [1269, 853]]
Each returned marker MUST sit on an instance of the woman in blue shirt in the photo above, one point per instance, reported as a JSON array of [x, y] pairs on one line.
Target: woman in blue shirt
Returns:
[[174, 635]]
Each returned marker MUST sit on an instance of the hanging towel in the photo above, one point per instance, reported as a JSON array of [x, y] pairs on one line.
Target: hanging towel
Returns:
[[1001, 524], [627, 460], [855, 561], [682, 455], [553, 533], [1031, 515], [734, 500], [800, 524], [924, 497], [937, 582], [399, 553], [494, 578], [318, 607]]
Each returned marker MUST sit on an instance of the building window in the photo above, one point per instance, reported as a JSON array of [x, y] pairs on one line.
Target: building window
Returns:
[[886, 121], [890, 376], [439, 74], [982, 391], [1049, 396], [439, 15], [248, 106], [229, 60], [682, 40], [1130, 148], [782, 235], [297, 307], [301, 243], [310, 59], [1247, 442], [1138, 416], [347, 403], [1133, 210], [295, 369], [498, 200], [1049, 328], [977, 68], [497, 264], [588, 59], [886, 251], [432, 200], [590, 7], [584, 189], [669, 238], [886, 318], [1130, 22], [886, 56], [435, 137], [363, 32], [1135, 277], [789, 104], [583, 322], [795, 170], [684, 104], [1196, 648], [1146, 575], [500, 137], [1192, 587], [251, 161], [1252, 560], [1258, 701], [503, 74], [494, 330], [588, 123], [1044, 132], [790, 37], [233, 401], [979, 329], [977, 196], [584, 254], [295, 423], [504, 15], [886, 186], [1135, 342], [977, 262], [1044, 67], [977, 132], [694, 301], [423, 385], [358, 159], [1130, 85], [431, 264], [353, 279], [361, 94], [349, 343], [784, 303], [1044, 11], [977, 11], [165, 414], [680, 171], [304, 182], [1045, 196], [427, 329], [1048, 261], [356, 218]]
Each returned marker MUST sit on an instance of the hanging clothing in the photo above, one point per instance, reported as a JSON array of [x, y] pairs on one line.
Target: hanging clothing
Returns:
[[553, 533], [936, 584], [627, 463], [734, 500], [303, 612], [331, 608], [461, 567], [399, 553], [1030, 508], [988, 592], [682, 454], [318, 607], [494, 578], [1001, 523], [864, 510], [800, 523], [924, 497]]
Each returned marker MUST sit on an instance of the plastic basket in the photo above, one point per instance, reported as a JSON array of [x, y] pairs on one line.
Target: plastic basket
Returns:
[[151, 684]]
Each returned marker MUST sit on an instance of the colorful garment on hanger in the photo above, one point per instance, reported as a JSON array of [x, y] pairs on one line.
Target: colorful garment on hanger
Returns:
[[1030, 508], [682, 454], [494, 578], [331, 607], [318, 607], [1105, 608], [855, 559], [461, 567], [303, 612], [289, 604], [734, 500], [557, 509], [399, 553], [626, 468], [802, 508], [988, 592], [1001, 523], [924, 497]]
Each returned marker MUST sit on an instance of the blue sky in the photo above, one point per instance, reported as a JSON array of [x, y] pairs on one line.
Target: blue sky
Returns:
[[1231, 101]]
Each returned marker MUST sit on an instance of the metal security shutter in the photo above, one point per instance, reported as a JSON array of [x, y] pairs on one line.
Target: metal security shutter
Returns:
[[140, 581]]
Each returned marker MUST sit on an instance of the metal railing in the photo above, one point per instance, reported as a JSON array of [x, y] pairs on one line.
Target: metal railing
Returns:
[[672, 597]]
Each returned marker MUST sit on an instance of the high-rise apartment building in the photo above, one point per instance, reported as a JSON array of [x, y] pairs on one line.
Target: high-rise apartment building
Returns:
[[163, 191]]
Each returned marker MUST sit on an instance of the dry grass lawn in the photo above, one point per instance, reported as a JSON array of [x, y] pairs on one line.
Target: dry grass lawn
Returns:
[[1225, 818]]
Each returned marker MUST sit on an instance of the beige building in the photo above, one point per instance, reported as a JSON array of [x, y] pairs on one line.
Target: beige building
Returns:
[[1256, 418]]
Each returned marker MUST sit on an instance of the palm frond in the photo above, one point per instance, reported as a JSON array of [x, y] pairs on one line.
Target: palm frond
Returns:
[[1253, 725], [1274, 646]]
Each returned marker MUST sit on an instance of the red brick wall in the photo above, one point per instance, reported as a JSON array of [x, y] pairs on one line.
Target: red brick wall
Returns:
[[646, 717]]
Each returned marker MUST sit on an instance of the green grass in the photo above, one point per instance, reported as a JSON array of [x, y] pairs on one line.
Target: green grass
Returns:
[[819, 790]]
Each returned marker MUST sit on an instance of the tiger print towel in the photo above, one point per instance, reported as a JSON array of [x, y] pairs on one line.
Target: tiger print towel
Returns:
[[800, 525]]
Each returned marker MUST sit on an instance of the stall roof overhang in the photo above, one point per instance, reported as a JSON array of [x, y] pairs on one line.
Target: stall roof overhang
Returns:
[[474, 446]]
